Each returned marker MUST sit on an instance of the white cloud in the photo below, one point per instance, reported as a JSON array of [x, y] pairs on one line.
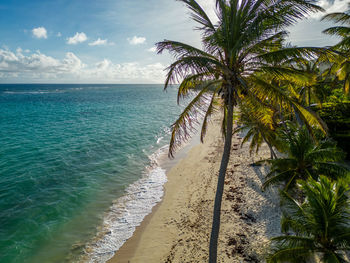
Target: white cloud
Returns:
[[128, 72], [104, 64], [71, 63], [135, 40], [77, 38], [17, 67], [101, 42], [330, 7], [152, 49], [59, 34], [37, 63], [39, 32]]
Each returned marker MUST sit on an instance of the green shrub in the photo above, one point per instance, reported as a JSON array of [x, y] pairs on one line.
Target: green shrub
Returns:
[[337, 118]]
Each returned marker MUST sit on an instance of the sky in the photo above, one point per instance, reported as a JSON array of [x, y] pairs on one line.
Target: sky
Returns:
[[109, 41]]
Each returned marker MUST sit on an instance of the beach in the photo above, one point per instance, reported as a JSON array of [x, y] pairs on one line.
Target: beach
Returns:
[[178, 229]]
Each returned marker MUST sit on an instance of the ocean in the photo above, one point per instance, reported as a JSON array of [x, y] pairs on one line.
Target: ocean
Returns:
[[79, 167]]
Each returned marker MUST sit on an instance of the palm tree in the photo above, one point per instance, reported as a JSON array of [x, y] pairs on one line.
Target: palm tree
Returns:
[[246, 39], [304, 158], [310, 91], [341, 63], [258, 127], [320, 226]]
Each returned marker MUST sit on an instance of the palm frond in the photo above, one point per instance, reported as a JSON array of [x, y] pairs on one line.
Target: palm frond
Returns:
[[337, 18], [341, 31], [184, 126], [192, 83], [310, 118], [279, 178], [288, 254], [199, 15], [293, 52], [190, 65], [209, 112], [180, 50]]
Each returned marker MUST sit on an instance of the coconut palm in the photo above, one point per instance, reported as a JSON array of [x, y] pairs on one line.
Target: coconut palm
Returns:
[[258, 127], [246, 40], [305, 157], [310, 91], [318, 227]]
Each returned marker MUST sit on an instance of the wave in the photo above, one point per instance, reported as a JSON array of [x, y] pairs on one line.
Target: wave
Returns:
[[128, 211], [42, 91], [34, 92]]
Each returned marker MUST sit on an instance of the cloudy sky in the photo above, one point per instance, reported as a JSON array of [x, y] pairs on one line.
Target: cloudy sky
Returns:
[[107, 41]]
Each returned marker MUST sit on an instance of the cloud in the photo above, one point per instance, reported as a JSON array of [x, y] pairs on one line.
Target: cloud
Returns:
[[59, 34], [135, 40], [128, 72], [77, 38], [38, 67], [39, 32], [152, 49], [101, 42], [37, 63], [330, 7]]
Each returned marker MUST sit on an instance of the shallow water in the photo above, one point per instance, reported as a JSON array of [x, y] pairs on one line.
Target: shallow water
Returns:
[[73, 158]]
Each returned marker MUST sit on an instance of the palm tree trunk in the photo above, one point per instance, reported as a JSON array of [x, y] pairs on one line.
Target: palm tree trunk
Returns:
[[220, 187], [273, 154]]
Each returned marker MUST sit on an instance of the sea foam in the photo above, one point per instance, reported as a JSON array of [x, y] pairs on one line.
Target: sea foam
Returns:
[[128, 211]]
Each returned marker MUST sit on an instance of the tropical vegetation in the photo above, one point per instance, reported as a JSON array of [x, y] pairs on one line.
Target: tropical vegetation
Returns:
[[317, 227], [304, 157], [278, 93]]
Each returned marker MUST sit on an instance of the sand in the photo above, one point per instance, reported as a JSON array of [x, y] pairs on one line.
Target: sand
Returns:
[[178, 229]]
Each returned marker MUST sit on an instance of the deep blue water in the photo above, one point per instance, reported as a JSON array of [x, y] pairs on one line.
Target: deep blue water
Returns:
[[66, 152]]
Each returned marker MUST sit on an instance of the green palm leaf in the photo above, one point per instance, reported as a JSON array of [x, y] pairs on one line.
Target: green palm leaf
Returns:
[[185, 124]]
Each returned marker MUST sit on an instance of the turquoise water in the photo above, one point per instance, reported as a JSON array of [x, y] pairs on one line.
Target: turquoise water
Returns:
[[67, 152]]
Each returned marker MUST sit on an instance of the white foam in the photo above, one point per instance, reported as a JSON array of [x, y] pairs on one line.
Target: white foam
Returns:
[[128, 212], [159, 139], [34, 92]]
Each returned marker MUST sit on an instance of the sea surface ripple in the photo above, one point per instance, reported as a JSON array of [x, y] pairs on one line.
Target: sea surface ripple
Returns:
[[73, 158]]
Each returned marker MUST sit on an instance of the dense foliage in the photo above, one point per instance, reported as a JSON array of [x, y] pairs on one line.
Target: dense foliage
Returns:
[[317, 227], [337, 117], [284, 96], [304, 157]]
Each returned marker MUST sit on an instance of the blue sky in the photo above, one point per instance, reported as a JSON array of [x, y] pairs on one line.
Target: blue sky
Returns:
[[106, 41]]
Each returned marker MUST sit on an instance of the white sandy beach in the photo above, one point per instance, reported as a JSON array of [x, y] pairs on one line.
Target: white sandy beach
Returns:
[[178, 229]]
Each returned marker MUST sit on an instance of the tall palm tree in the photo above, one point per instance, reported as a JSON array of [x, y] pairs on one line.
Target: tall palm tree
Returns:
[[320, 226], [305, 157], [246, 39]]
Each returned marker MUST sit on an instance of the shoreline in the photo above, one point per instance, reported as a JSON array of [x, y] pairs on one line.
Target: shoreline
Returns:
[[178, 228], [127, 250], [121, 221]]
